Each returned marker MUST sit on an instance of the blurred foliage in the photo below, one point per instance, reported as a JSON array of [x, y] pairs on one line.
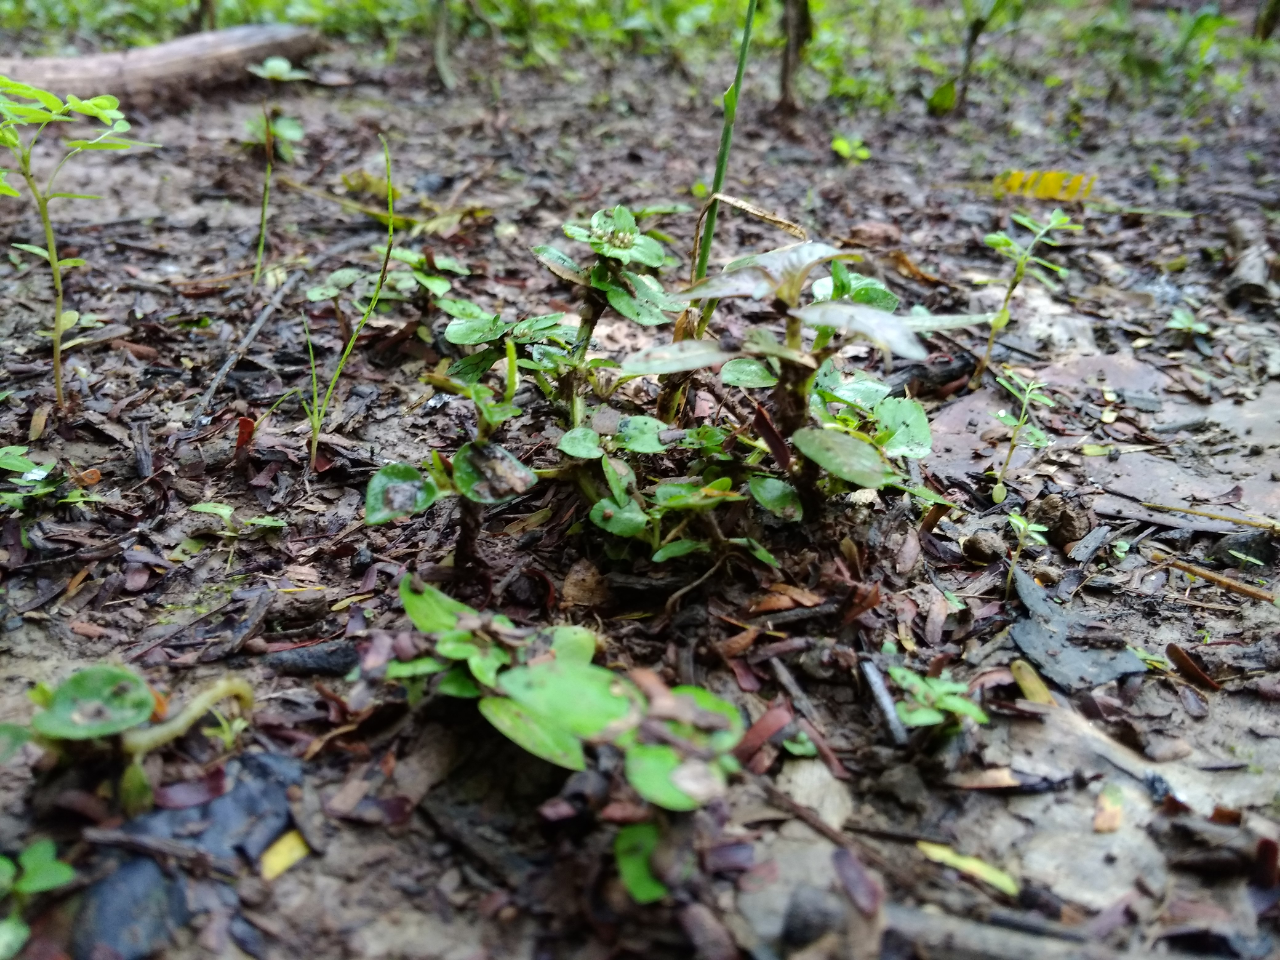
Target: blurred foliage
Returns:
[[873, 54]]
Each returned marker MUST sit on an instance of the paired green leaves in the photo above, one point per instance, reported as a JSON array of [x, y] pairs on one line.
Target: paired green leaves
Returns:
[[278, 69], [932, 700]]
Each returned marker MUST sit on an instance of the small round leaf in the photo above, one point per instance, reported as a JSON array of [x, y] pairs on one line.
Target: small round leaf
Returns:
[[97, 701]]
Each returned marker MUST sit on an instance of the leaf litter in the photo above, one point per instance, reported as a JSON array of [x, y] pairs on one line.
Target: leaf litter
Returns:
[[817, 693]]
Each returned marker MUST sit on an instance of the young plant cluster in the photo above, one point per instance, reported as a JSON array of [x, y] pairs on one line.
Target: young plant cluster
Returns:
[[540, 689], [100, 711], [25, 111]]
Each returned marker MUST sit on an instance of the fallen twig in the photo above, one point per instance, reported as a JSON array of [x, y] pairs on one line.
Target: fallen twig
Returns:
[[1217, 579], [158, 847]]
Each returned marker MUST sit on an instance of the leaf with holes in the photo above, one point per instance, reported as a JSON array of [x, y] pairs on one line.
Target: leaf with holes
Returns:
[[907, 426], [397, 490]]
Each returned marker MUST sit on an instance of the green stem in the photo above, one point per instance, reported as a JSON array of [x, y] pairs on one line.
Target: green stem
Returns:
[[145, 739], [373, 302], [266, 196], [722, 165], [1013, 437], [513, 371], [1013, 565], [42, 204]]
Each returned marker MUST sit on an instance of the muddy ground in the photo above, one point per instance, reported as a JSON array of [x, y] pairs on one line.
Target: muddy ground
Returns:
[[433, 837]]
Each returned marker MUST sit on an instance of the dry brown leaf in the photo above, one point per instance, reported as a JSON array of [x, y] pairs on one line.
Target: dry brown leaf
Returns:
[[806, 598], [771, 603], [584, 586]]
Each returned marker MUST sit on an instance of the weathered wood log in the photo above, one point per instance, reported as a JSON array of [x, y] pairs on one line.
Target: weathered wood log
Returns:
[[168, 71], [1252, 257]]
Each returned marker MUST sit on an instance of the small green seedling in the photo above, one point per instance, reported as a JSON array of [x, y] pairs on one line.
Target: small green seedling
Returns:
[[1023, 258], [850, 148], [932, 701], [276, 135], [232, 531], [618, 279], [315, 409], [41, 872], [40, 109], [1027, 532], [109, 705], [1184, 323], [227, 732], [31, 480], [1028, 394]]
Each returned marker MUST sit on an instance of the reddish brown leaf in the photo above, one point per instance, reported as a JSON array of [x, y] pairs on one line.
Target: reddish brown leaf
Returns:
[[760, 732], [865, 890], [772, 438], [192, 793], [738, 644], [1189, 668]]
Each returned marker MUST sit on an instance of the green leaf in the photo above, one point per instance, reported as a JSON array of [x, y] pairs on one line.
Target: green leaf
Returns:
[[943, 99], [632, 848], [95, 702], [224, 511], [582, 443], [457, 682], [41, 869], [908, 426], [879, 326], [582, 698], [919, 716], [69, 262], [472, 324], [13, 936], [277, 68], [675, 357], [437, 286], [721, 741], [470, 369], [747, 372], [649, 768], [757, 550], [397, 490], [11, 459], [844, 456], [488, 473], [431, 611], [861, 391], [638, 311], [573, 644], [28, 248], [421, 667], [16, 88], [639, 434], [680, 548], [620, 477], [776, 496], [561, 265], [940, 853], [536, 734], [621, 519], [274, 523], [5, 189]]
